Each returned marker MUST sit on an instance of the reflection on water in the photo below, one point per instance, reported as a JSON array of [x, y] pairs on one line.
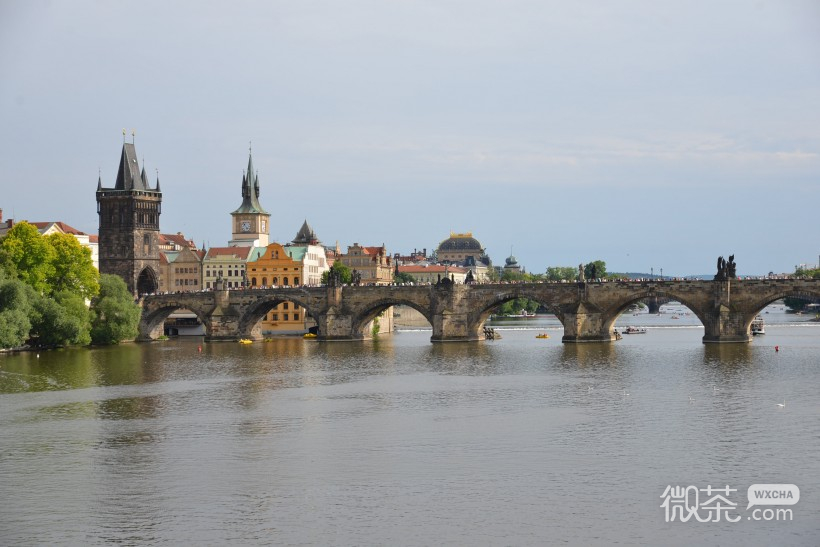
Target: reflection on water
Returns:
[[399, 440]]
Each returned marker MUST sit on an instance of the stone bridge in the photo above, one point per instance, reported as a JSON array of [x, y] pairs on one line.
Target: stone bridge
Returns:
[[587, 310]]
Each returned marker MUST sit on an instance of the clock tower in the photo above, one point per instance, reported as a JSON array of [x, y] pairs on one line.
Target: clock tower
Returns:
[[250, 221]]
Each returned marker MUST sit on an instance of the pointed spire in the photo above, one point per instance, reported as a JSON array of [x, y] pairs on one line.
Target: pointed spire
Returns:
[[157, 189], [250, 189], [99, 179]]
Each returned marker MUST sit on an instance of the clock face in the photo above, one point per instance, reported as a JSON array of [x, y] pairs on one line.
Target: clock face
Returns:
[[246, 226], [264, 225]]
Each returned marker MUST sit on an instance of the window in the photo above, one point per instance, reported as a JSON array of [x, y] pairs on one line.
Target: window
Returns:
[[286, 317], [276, 317], [295, 316], [285, 306], [253, 282]]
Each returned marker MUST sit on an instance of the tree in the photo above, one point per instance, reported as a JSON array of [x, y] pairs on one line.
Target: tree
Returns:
[[403, 277], [345, 274], [562, 273], [73, 269], [14, 312], [115, 315], [60, 321], [29, 255], [595, 270]]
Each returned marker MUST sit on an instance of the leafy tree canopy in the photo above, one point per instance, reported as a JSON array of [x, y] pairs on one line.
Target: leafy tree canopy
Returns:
[[345, 273], [73, 268], [403, 277], [115, 315], [29, 255], [562, 273], [14, 312]]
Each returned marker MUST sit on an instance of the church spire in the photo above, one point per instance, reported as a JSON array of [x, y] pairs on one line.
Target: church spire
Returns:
[[250, 190]]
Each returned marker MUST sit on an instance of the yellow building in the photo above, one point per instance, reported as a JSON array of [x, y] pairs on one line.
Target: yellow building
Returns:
[[292, 265], [373, 263]]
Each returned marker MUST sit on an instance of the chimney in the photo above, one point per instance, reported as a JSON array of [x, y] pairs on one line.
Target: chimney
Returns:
[[1, 215]]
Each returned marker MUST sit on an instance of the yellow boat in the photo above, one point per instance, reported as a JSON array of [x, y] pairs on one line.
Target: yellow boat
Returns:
[[544, 335], [309, 335], [245, 341]]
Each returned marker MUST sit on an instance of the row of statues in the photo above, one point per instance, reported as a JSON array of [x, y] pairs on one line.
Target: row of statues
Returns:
[[726, 270]]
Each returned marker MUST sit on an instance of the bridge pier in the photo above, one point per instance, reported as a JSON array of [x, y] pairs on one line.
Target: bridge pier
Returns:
[[726, 326], [336, 325], [586, 324], [454, 327]]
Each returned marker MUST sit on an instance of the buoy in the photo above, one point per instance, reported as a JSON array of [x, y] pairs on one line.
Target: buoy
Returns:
[[200, 349], [777, 348]]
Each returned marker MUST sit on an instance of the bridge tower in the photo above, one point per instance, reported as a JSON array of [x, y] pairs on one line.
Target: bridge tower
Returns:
[[129, 225]]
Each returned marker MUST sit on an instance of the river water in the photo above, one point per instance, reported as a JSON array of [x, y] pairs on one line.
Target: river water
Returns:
[[398, 441]]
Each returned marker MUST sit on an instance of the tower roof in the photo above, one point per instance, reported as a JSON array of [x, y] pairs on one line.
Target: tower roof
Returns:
[[306, 235], [250, 191], [128, 175]]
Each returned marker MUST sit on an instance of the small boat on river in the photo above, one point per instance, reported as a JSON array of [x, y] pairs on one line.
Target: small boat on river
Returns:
[[758, 326], [634, 330], [542, 335]]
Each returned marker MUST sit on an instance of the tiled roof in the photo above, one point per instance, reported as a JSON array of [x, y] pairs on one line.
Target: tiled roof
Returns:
[[177, 239], [433, 268], [241, 253]]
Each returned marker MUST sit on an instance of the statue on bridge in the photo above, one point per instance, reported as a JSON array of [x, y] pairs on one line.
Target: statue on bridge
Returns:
[[356, 277], [581, 277], [726, 270]]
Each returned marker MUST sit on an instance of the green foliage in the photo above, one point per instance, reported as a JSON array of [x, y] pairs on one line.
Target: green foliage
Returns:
[[516, 306], [115, 315], [403, 277], [812, 274], [14, 313], [562, 273], [345, 273], [73, 269], [29, 255], [595, 270], [376, 327], [60, 321]]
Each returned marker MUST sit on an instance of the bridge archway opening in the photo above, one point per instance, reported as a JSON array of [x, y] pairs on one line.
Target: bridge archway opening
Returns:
[[518, 307], [804, 304], [674, 311], [379, 317], [278, 316], [147, 282], [170, 321]]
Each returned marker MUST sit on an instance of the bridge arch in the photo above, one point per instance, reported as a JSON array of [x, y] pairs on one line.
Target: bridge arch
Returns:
[[612, 313], [367, 314], [483, 313], [153, 320], [757, 306], [250, 321]]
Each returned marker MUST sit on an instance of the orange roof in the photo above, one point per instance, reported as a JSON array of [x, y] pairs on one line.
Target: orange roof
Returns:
[[240, 253], [65, 228], [432, 268], [177, 239]]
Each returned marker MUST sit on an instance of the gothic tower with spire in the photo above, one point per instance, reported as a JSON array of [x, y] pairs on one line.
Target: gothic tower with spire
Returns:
[[251, 223], [129, 225]]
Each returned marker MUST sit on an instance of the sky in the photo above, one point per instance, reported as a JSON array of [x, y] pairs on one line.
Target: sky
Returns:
[[645, 133]]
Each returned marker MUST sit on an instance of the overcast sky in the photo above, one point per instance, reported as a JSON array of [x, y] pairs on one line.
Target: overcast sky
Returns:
[[649, 134]]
